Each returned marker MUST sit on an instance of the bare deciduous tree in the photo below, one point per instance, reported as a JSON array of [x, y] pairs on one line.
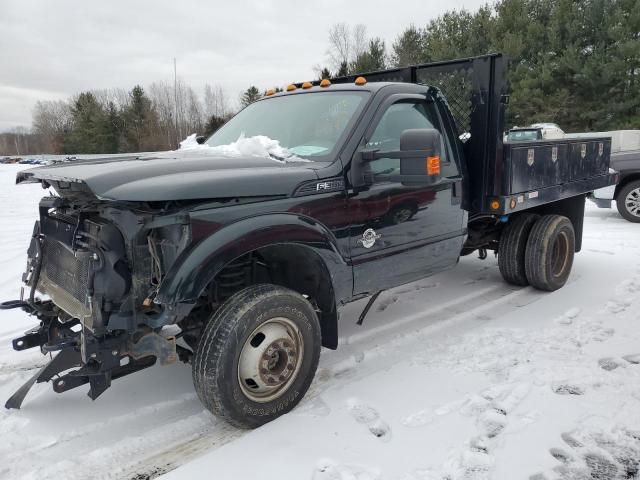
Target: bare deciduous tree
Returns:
[[118, 96], [359, 41], [216, 102], [51, 120], [180, 111], [339, 44], [162, 99], [346, 44]]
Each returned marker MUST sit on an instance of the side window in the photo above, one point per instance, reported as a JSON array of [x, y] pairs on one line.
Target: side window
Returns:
[[399, 117]]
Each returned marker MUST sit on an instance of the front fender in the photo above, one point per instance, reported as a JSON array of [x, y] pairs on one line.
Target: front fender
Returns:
[[196, 267]]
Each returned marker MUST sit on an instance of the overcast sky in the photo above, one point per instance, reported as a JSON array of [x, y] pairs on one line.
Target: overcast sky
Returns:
[[51, 49]]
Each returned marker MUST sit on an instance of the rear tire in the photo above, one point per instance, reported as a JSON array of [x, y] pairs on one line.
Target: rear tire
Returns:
[[257, 355], [628, 201], [513, 244], [549, 253]]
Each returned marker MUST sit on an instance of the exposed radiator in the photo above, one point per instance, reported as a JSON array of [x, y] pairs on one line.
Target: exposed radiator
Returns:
[[65, 278]]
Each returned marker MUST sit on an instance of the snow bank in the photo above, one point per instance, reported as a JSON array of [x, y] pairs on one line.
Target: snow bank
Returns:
[[257, 146]]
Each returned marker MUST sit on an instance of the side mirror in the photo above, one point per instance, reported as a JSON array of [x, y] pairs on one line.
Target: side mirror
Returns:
[[201, 139], [420, 156]]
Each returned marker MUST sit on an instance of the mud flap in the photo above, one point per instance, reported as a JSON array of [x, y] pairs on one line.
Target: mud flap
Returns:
[[65, 360]]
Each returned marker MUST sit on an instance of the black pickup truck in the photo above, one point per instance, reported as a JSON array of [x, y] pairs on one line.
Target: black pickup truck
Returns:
[[239, 264]]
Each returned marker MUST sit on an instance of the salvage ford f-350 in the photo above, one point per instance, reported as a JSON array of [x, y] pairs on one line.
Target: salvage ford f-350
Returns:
[[238, 263]]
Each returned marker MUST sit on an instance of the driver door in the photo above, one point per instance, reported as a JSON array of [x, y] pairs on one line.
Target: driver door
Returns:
[[400, 233]]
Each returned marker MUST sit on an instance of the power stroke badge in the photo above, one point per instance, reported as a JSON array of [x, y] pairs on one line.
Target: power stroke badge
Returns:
[[369, 238]]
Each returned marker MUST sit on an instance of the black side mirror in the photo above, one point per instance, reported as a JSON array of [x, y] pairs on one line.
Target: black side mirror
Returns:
[[201, 139], [420, 155]]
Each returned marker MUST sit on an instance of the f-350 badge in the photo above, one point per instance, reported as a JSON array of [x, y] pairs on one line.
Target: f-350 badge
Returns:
[[369, 237]]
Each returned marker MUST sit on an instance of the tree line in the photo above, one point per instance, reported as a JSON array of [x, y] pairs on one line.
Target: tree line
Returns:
[[116, 120], [575, 63], [121, 121]]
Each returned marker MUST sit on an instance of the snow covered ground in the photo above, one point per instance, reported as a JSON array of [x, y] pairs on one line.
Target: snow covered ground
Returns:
[[458, 376]]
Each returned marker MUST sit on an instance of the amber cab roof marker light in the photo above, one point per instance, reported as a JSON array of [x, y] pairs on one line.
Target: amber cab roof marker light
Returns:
[[325, 82], [307, 85], [360, 81], [270, 92], [291, 87]]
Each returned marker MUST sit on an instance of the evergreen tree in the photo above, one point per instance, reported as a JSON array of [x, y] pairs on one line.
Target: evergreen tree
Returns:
[[573, 63], [140, 121], [408, 49], [213, 124], [372, 59], [112, 129], [251, 95], [343, 70], [88, 133], [325, 73]]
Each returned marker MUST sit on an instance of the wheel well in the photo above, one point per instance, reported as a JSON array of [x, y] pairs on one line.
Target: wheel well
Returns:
[[292, 266], [627, 178]]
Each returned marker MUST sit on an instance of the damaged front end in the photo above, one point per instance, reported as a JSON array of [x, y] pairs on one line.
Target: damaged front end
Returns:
[[97, 266]]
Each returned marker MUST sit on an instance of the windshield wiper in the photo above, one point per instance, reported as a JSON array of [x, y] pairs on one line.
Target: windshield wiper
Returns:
[[276, 157]]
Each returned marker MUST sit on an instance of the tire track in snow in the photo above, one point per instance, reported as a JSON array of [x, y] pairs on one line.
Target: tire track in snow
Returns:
[[337, 368], [186, 433], [167, 434]]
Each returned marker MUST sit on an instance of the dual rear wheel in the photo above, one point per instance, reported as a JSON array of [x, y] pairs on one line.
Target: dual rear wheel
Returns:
[[537, 250]]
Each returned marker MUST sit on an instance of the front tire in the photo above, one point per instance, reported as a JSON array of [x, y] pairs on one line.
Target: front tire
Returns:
[[257, 356], [628, 201], [549, 253]]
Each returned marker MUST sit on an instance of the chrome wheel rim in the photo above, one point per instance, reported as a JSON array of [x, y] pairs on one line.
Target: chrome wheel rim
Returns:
[[270, 359], [632, 202]]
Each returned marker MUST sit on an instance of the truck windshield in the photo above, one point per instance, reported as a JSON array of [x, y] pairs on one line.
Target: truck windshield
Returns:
[[309, 125], [523, 135]]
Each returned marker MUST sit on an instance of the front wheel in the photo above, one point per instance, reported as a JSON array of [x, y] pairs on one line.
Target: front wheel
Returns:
[[628, 201], [257, 355]]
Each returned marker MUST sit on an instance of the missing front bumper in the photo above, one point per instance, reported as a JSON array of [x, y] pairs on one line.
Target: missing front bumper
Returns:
[[87, 359]]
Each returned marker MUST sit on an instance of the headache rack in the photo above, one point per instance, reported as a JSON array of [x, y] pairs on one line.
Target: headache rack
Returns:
[[475, 91], [529, 173]]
